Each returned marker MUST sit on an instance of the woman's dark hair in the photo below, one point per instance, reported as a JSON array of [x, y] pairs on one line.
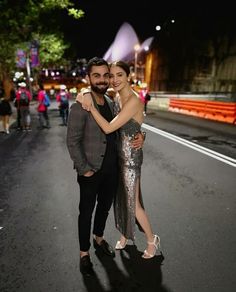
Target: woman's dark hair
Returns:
[[95, 62], [122, 65]]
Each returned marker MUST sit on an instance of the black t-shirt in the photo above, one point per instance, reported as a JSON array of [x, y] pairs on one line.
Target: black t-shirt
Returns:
[[111, 149]]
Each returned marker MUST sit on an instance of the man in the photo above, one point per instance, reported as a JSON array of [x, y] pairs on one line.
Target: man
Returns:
[[23, 98], [144, 96], [63, 100], [95, 158]]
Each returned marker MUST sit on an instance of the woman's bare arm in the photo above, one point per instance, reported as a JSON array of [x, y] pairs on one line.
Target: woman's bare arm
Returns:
[[128, 111], [86, 101]]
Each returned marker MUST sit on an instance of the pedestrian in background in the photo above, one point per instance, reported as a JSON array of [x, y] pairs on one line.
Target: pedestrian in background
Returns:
[[23, 99], [52, 92], [12, 94], [63, 100], [43, 108], [144, 96], [5, 113], [16, 105]]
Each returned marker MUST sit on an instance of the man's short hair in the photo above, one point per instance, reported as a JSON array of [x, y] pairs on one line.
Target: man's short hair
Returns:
[[96, 62]]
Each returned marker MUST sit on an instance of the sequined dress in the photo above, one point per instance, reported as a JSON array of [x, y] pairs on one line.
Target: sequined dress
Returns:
[[130, 161]]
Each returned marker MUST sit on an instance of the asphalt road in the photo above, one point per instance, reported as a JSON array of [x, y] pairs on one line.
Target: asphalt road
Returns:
[[189, 197]]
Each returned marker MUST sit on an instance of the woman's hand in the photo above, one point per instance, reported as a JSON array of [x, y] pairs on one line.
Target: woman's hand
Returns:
[[85, 99], [79, 97]]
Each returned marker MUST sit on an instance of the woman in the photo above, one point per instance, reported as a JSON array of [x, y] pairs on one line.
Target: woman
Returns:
[[128, 207], [42, 108], [5, 113]]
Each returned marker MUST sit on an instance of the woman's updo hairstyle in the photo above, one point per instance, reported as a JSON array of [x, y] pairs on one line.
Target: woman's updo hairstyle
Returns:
[[122, 65]]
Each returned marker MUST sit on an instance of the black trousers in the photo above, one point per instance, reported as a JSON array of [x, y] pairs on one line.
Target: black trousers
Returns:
[[18, 119], [98, 190], [64, 112]]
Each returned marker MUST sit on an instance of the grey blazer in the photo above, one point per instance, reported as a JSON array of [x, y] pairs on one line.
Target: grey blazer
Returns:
[[86, 141]]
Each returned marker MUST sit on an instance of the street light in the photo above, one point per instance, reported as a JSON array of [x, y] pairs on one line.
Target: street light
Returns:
[[136, 50], [146, 48], [159, 27]]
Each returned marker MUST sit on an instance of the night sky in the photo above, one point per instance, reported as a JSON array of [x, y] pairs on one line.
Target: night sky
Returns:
[[93, 34]]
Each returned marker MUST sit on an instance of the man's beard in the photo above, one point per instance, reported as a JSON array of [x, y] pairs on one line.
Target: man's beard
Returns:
[[99, 90]]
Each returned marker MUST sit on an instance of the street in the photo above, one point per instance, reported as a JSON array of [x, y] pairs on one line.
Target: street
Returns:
[[189, 197]]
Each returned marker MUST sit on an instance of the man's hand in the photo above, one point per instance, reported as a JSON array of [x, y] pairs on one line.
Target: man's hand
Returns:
[[138, 141], [89, 173]]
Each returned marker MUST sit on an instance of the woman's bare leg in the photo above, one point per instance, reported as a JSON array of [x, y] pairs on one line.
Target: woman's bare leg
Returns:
[[123, 240], [5, 121], [7, 118], [143, 220]]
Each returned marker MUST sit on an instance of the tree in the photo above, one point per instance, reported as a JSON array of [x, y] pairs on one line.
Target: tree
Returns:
[[23, 19], [52, 49]]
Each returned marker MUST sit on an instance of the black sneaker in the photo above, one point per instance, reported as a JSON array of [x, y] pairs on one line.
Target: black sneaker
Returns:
[[104, 247], [86, 266]]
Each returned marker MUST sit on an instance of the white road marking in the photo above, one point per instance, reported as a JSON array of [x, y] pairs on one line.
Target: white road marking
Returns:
[[226, 159]]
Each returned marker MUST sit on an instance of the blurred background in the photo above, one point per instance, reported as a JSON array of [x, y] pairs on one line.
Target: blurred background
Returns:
[[171, 48]]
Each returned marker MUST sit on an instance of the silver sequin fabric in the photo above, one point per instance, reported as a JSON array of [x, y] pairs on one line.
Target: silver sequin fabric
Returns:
[[130, 161]]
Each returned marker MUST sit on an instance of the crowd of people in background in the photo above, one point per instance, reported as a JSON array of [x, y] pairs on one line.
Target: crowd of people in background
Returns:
[[21, 100]]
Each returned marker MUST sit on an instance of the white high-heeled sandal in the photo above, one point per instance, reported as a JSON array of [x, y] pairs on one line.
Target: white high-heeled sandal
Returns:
[[120, 246], [157, 243]]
